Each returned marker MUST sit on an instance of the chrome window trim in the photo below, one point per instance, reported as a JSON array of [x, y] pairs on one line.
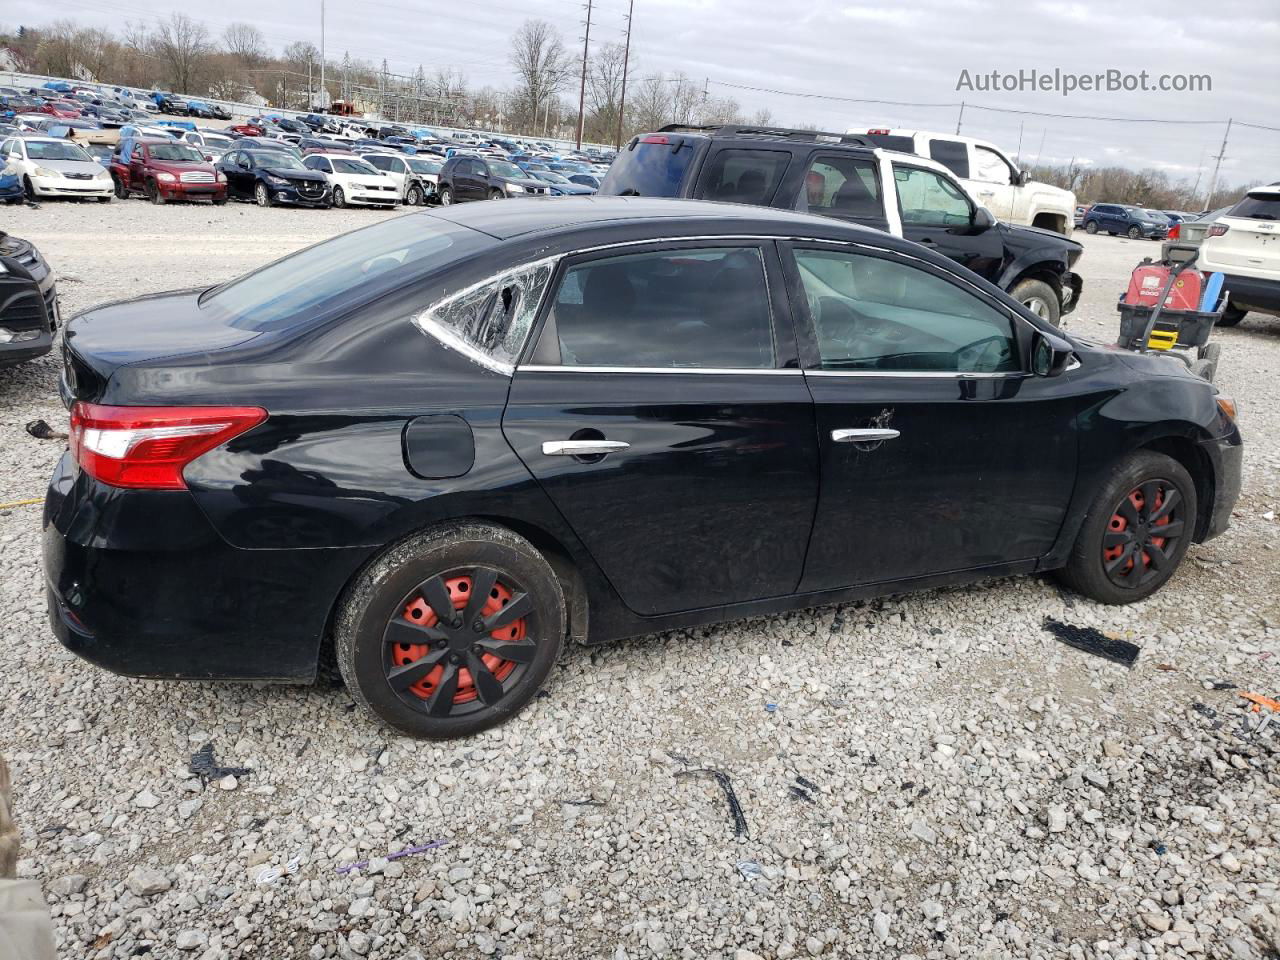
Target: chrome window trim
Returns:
[[716, 371], [919, 374]]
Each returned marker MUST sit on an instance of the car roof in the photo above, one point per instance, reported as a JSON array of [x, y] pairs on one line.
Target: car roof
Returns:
[[505, 221]]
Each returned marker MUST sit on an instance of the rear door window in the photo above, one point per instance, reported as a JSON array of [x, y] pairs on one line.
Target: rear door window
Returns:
[[844, 187], [692, 307], [952, 154], [654, 165], [741, 176]]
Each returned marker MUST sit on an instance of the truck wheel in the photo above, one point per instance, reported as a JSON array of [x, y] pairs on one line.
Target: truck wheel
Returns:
[[1091, 226], [1136, 531], [1038, 297], [1231, 316], [122, 192]]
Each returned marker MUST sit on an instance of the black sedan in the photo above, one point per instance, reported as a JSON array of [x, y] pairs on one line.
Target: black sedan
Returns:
[[448, 442], [28, 302], [269, 177]]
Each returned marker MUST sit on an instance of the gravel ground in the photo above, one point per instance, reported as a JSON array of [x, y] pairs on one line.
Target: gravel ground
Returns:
[[928, 777]]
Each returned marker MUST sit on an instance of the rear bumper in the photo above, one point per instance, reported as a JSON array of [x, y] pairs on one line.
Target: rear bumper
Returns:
[[1253, 292], [1227, 457], [139, 583]]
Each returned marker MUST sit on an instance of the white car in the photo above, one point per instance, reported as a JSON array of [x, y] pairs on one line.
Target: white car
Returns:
[[53, 167], [988, 175], [1244, 245], [212, 145], [418, 178], [352, 181]]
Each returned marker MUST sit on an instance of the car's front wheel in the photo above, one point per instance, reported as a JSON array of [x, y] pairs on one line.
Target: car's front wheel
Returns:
[[122, 192], [1136, 531], [450, 632], [1231, 316], [262, 195], [1135, 233], [154, 194], [1091, 226], [1040, 298], [414, 197], [446, 196], [339, 198], [497, 195]]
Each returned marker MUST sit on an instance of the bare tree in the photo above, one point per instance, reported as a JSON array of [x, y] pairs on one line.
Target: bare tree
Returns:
[[649, 105], [56, 54], [183, 44], [604, 90], [246, 43], [542, 65]]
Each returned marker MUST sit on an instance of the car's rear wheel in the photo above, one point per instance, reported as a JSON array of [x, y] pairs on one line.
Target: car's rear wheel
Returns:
[[1038, 297], [339, 198], [446, 196], [1091, 226], [414, 197], [1135, 233], [261, 195], [1136, 531], [1231, 316], [451, 632]]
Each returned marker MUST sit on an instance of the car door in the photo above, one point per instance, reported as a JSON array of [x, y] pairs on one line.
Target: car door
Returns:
[[844, 186], [663, 413], [993, 182], [734, 174], [936, 213], [137, 165], [939, 453]]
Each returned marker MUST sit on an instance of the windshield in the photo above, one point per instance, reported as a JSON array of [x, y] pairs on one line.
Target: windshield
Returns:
[[550, 177], [1258, 206], [1155, 215], [39, 150], [213, 140], [425, 166], [501, 168], [323, 280], [351, 165], [278, 159], [174, 151]]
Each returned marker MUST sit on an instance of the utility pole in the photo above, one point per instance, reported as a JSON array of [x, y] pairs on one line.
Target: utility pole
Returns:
[[960, 118], [582, 90], [1213, 181], [626, 57], [324, 98]]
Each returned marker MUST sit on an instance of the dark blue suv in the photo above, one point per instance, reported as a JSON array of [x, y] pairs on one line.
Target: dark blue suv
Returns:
[[1133, 222]]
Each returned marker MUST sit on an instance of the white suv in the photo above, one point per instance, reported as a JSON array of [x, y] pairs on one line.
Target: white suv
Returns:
[[1244, 245], [988, 174]]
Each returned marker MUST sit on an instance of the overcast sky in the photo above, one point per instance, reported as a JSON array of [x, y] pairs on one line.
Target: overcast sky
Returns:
[[907, 51]]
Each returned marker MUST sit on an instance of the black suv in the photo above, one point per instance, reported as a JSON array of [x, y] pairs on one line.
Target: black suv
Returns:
[[845, 176], [485, 178], [1133, 222]]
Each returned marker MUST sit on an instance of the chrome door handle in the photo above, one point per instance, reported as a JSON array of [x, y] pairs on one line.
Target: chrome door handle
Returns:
[[581, 448], [864, 436]]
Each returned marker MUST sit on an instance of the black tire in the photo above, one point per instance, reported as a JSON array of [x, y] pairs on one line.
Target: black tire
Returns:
[[29, 188], [1040, 298], [339, 198], [414, 197], [1231, 316], [1143, 472], [446, 196], [261, 195], [1135, 233], [105, 199], [497, 195], [220, 200], [153, 194], [122, 192], [395, 587], [1091, 226]]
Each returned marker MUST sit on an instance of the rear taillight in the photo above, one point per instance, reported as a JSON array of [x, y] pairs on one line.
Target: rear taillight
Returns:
[[146, 448], [1175, 231], [1217, 230]]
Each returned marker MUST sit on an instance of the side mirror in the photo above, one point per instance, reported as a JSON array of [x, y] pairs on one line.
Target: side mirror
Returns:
[[1050, 355], [1021, 179], [982, 219]]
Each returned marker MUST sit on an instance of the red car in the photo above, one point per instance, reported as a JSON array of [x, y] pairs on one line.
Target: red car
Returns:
[[63, 109], [166, 170], [247, 129]]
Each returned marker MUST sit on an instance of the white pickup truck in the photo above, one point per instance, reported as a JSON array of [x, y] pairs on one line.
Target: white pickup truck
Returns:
[[989, 176]]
